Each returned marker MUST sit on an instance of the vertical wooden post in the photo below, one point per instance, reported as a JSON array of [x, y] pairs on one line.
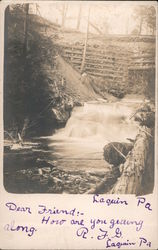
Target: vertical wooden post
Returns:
[[85, 45]]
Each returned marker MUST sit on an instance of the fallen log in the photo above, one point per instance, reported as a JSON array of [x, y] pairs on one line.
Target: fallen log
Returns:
[[138, 171]]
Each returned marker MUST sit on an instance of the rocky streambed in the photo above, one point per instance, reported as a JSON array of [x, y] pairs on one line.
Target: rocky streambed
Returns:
[[55, 180]]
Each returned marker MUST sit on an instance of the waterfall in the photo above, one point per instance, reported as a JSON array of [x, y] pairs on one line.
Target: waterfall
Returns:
[[95, 122], [80, 144]]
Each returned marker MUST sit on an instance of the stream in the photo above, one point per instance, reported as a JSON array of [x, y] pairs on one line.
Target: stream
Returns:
[[76, 149]]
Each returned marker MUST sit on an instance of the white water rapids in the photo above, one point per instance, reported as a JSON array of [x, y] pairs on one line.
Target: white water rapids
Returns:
[[80, 144]]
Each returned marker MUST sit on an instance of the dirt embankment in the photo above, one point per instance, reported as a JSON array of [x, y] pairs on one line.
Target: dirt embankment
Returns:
[[75, 85], [69, 90]]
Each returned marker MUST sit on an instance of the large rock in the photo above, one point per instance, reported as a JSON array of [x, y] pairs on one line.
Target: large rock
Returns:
[[61, 116], [69, 105], [111, 154], [78, 103]]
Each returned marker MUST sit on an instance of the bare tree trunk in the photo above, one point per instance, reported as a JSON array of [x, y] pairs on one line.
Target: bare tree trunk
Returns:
[[26, 29], [127, 25], [79, 17], [64, 12], [140, 26], [63, 16], [85, 45]]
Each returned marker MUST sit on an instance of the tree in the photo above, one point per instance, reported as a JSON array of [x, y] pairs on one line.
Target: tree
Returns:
[[27, 89], [85, 45], [79, 17], [62, 8], [26, 28], [146, 15], [151, 19], [64, 12]]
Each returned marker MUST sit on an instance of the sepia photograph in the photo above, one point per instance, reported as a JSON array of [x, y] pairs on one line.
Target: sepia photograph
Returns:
[[79, 97]]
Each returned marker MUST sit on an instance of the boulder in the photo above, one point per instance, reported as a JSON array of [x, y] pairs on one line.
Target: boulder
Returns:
[[42, 163], [78, 103], [69, 105], [60, 116], [112, 156]]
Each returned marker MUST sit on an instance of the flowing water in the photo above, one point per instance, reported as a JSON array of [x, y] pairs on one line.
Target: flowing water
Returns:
[[71, 160], [80, 144]]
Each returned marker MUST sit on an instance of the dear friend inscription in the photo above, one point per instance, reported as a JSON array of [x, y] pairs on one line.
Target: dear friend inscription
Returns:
[[111, 231]]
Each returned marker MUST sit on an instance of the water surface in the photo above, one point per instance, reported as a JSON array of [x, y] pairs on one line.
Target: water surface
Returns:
[[80, 144]]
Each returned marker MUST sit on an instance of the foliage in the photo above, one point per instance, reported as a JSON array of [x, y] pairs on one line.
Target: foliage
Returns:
[[146, 14], [27, 88]]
